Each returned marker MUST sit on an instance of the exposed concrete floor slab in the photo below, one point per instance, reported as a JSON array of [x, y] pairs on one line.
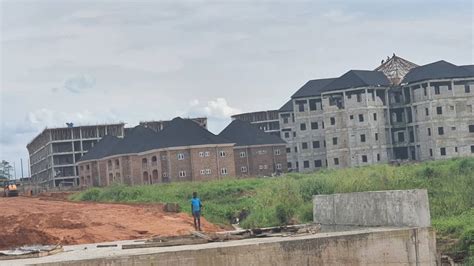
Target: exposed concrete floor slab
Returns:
[[87, 253]]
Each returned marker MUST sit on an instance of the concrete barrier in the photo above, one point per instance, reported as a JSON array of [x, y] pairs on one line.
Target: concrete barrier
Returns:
[[374, 208]]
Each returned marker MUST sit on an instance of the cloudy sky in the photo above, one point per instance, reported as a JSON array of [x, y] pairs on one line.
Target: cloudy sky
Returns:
[[96, 61]]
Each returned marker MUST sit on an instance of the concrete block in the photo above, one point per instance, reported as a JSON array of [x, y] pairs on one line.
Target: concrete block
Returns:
[[323, 209], [373, 208]]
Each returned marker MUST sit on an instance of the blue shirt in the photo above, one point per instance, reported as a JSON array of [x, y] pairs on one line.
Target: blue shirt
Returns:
[[196, 203]]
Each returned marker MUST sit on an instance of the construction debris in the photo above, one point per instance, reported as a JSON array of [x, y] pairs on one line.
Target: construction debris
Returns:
[[27, 252], [167, 242], [201, 238]]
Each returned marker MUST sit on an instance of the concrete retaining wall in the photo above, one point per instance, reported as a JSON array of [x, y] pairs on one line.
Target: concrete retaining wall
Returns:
[[373, 246], [375, 208]]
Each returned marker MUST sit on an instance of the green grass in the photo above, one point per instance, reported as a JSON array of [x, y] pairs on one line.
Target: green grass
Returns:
[[273, 201]]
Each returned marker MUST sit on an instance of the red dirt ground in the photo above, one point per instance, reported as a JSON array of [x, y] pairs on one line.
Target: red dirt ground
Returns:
[[26, 221]]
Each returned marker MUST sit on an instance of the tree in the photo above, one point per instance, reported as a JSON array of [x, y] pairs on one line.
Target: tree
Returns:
[[5, 170]]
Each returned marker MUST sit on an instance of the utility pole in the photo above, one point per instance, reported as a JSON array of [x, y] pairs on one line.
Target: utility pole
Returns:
[[21, 165], [14, 170]]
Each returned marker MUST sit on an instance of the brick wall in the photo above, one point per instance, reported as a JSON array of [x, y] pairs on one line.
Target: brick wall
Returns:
[[204, 164], [102, 170], [177, 165], [226, 162]]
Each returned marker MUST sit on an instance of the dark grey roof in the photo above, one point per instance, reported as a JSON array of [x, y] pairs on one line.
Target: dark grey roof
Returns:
[[437, 70], [358, 78], [312, 88], [287, 107], [184, 132], [244, 134], [137, 140], [101, 148], [469, 68]]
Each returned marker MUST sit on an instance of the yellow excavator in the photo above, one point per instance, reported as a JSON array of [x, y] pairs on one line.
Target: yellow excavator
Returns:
[[9, 189]]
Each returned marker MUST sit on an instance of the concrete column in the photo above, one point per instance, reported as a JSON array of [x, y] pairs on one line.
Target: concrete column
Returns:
[[366, 98], [432, 143], [452, 87], [73, 156]]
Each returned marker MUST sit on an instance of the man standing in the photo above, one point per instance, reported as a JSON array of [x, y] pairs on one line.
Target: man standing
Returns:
[[196, 206]]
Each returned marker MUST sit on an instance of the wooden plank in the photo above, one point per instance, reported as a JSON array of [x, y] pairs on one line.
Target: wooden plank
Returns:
[[107, 246]]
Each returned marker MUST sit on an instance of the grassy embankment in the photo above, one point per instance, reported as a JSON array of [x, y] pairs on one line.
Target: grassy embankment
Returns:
[[274, 201]]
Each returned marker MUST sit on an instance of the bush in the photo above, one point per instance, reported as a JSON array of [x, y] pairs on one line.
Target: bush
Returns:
[[284, 213], [92, 194]]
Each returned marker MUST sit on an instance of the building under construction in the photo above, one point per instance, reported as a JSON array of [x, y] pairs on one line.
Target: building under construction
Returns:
[[54, 153], [263, 120], [159, 125], [399, 111]]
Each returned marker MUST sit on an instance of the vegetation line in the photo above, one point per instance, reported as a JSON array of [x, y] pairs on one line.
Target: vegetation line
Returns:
[[260, 202]]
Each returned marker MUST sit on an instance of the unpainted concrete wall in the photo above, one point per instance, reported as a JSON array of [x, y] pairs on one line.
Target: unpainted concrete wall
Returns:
[[375, 208], [365, 247]]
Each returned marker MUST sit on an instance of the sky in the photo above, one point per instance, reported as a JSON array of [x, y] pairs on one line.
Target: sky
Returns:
[[91, 62]]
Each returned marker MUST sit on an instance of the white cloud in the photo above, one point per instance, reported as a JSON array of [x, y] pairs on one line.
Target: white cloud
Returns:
[[218, 112], [215, 108]]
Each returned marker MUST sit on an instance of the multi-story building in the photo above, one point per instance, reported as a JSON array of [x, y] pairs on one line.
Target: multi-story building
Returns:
[[288, 133], [182, 151], [55, 151], [268, 121], [435, 103], [256, 153], [161, 124], [398, 111], [354, 119]]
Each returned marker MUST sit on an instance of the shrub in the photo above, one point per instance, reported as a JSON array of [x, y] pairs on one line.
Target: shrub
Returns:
[[284, 213]]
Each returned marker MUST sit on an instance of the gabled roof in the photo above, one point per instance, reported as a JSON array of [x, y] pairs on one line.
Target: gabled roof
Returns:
[[395, 68], [137, 140], [312, 88], [244, 134], [287, 107], [183, 132], [437, 70], [358, 78], [101, 148]]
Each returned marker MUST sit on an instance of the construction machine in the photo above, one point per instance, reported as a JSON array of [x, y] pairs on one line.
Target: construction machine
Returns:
[[9, 189]]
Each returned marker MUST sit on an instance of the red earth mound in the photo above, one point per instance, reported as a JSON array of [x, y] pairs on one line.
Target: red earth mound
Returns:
[[27, 221]]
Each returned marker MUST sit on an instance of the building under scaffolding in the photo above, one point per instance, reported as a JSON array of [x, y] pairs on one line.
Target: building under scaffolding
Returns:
[[55, 151]]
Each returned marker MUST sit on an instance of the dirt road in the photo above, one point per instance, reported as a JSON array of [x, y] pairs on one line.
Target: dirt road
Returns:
[[26, 220]]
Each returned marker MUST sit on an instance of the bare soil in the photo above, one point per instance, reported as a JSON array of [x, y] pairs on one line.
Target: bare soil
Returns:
[[51, 220]]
